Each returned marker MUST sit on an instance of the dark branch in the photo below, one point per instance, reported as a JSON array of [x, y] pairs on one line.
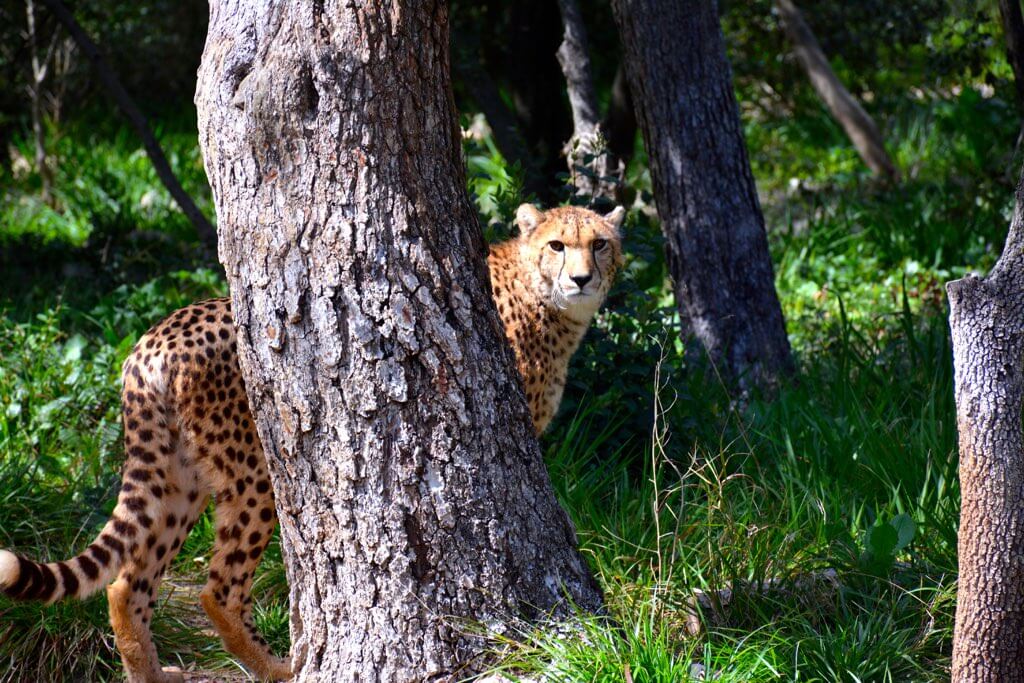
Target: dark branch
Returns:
[[207, 233]]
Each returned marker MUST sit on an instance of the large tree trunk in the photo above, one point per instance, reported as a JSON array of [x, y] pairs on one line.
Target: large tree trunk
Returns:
[[411, 491], [1013, 28], [205, 231], [593, 170], [859, 126], [704, 189], [986, 317]]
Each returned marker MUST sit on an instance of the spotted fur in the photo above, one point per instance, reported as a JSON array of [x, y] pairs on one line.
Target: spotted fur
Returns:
[[189, 435]]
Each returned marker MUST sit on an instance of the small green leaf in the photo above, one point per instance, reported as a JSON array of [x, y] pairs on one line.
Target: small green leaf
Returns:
[[73, 348], [881, 541], [905, 530], [45, 413]]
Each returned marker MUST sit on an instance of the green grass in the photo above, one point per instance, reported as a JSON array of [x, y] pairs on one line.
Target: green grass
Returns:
[[793, 488], [852, 466]]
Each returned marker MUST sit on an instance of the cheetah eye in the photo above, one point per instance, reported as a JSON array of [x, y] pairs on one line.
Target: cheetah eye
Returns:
[[600, 244], [556, 245]]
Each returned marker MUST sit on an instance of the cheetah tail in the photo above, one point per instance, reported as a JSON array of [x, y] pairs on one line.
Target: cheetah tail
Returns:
[[79, 577]]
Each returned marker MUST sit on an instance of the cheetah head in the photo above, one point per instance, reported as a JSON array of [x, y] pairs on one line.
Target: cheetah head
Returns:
[[572, 254]]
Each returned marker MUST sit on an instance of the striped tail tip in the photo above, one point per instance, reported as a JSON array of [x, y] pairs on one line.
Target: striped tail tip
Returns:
[[23, 579]]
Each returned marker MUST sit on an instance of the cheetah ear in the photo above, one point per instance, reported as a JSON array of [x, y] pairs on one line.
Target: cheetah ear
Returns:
[[614, 217], [528, 217]]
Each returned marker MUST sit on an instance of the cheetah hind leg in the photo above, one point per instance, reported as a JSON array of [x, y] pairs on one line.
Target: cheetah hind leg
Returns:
[[131, 600], [133, 596], [242, 535]]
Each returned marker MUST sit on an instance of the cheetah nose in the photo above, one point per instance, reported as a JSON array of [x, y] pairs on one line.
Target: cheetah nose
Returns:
[[582, 280]]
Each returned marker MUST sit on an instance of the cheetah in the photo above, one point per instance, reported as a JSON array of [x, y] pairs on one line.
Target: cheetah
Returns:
[[548, 283], [189, 435]]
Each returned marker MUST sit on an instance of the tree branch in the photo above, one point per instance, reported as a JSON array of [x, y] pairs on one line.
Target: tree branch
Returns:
[[575, 62], [859, 126], [1013, 28], [207, 233]]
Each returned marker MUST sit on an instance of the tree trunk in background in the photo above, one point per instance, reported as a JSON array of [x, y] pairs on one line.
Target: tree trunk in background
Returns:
[[410, 487], [620, 121], [1013, 29], [206, 232], [39, 69], [714, 232], [484, 92], [530, 70], [859, 126], [487, 97], [593, 170], [986, 318]]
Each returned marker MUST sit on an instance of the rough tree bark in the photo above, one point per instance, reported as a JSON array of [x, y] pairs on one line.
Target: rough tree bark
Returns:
[[986, 317], [410, 487], [857, 123], [206, 232], [593, 170], [1013, 28], [714, 231]]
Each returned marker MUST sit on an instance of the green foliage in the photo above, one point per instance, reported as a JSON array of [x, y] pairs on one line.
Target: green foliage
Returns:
[[105, 185], [495, 185], [884, 541], [47, 518], [880, 50]]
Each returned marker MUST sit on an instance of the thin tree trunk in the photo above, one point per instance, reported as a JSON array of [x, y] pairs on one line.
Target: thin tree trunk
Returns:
[[206, 232], [620, 121], [1013, 28], [39, 69], [594, 172], [715, 238], [859, 126], [413, 499], [986, 318]]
